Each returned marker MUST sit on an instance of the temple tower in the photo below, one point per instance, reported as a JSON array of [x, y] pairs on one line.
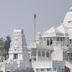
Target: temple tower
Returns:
[[18, 55]]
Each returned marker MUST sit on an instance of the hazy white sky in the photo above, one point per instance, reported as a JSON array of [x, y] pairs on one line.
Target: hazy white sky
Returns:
[[19, 14]]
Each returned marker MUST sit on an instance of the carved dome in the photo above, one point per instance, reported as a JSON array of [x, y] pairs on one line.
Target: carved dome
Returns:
[[68, 18]]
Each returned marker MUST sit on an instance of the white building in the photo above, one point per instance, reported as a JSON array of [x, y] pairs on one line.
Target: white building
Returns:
[[18, 55], [50, 52]]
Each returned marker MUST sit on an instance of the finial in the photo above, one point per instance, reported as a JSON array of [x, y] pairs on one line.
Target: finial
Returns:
[[34, 15]]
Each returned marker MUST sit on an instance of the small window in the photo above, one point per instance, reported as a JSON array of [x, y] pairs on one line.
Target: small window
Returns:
[[8, 71], [42, 69], [67, 45], [70, 41], [33, 53], [15, 56], [47, 54], [48, 69], [47, 42], [69, 21], [70, 56], [39, 53], [50, 42], [43, 53], [62, 38], [57, 38], [34, 59], [54, 69], [37, 70], [30, 60]]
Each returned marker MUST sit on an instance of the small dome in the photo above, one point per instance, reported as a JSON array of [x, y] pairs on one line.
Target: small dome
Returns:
[[50, 32], [17, 30], [62, 29], [68, 16], [38, 36]]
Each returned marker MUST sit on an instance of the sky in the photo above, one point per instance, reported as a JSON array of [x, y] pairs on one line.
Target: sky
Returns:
[[19, 14]]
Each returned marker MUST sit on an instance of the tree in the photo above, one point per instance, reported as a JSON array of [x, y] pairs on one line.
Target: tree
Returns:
[[4, 47], [26, 70], [7, 44], [1, 43], [2, 50]]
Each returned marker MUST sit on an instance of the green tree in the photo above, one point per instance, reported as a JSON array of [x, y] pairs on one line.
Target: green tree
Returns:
[[4, 47], [2, 50], [26, 70], [7, 44], [2, 43]]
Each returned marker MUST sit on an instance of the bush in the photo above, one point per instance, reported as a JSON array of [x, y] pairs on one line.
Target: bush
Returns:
[[26, 70]]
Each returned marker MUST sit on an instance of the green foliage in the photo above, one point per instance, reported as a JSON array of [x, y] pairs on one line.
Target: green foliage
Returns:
[[7, 44], [26, 70], [1, 71], [2, 50], [4, 47], [2, 43]]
